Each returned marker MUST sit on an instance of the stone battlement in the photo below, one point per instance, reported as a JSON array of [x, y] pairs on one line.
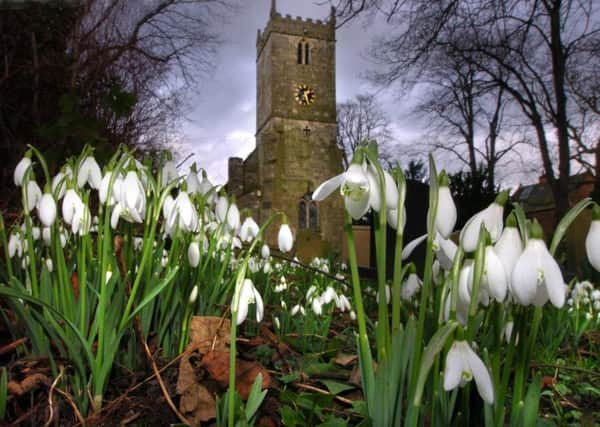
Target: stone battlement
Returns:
[[278, 23]]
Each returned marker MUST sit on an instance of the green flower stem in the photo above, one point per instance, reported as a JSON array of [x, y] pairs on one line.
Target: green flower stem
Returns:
[[455, 275], [363, 339], [478, 268], [397, 279], [42, 162], [241, 275]]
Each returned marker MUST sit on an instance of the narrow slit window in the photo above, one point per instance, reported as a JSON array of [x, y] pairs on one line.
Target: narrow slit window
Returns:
[[313, 216], [302, 224], [306, 53], [300, 53]]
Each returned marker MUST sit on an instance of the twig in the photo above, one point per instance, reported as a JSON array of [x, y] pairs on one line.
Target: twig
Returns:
[[50, 394], [321, 391], [568, 368], [162, 385], [69, 399], [13, 345]]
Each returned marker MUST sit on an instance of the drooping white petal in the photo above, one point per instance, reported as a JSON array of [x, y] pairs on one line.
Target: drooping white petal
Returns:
[[392, 218], [233, 217], [193, 254], [328, 187], [592, 244], [47, 209], [246, 294], [34, 194], [260, 309], [491, 217], [249, 230], [527, 274], [356, 208], [89, 171], [374, 190], [169, 172], [494, 277], [482, 377], [285, 239], [446, 212], [265, 252], [453, 371], [553, 280], [446, 252], [20, 170], [411, 246], [221, 208], [193, 294], [508, 248]]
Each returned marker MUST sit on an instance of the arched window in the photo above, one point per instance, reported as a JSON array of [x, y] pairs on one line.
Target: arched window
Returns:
[[300, 53], [306, 53], [303, 53], [308, 213]]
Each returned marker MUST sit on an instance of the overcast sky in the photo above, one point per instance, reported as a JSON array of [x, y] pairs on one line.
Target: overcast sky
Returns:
[[222, 121]]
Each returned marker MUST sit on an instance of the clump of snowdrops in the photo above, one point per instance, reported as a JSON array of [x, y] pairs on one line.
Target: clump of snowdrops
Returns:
[[480, 303], [94, 262]]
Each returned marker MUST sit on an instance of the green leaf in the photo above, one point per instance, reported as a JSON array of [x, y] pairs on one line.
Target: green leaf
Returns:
[[153, 293], [335, 387], [532, 402], [521, 222], [255, 398], [289, 378], [566, 221], [430, 352]]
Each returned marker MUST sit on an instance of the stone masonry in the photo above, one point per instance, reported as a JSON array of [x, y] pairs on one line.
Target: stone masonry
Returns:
[[295, 144]]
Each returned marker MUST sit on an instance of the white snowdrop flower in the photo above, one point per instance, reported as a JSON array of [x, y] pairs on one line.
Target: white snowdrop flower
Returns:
[[193, 295], [248, 295], [509, 246], [462, 365], [15, 247], [592, 240], [596, 305], [89, 172], [340, 276], [34, 195], [132, 200], [491, 217], [355, 188], [47, 235], [391, 190], [317, 306], [310, 292], [253, 265], [388, 295], [536, 276], [446, 216], [410, 286], [588, 316], [249, 230], [192, 181], [116, 188], [63, 239], [596, 295], [264, 251], [138, 242], [236, 242], [193, 254], [276, 322], [328, 295], [352, 315], [165, 259], [169, 173], [59, 184], [494, 277], [47, 209], [35, 233], [343, 303], [49, 265], [168, 206], [285, 239], [233, 218], [183, 215], [221, 208], [267, 267], [295, 309], [507, 332], [20, 170]]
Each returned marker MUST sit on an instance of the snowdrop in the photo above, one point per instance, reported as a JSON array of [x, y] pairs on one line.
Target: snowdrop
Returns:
[[285, 239], [47, 209], [354, 186], [169, 173], [182, 215], [221, 208], [491, 217], [233, 217], [116, 189], [34, 194], [193, 295], [15, 245], [410, 286], [462, 365], [592, 240], [131, 204], [391, 190], [76, 213], [536, 276], [494, 278], [249, 230], [509, 246], [89, 172], [446, 209], [21, 168], [193, 254], [249, 295]]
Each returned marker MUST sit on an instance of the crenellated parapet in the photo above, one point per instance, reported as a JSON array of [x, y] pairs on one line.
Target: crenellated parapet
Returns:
[[298, 26]]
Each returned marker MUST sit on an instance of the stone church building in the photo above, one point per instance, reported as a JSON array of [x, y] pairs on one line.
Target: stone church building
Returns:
[[295, 134]]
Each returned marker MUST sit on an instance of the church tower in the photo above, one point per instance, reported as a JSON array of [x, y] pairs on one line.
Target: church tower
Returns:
[[295, 133]]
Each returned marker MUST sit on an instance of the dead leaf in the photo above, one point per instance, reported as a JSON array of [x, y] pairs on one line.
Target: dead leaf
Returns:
[[216, 364], [344, 359], [28, 384], [197, 403], [75, 284]]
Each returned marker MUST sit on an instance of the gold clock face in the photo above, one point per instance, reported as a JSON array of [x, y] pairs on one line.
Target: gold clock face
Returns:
[[304, 95]]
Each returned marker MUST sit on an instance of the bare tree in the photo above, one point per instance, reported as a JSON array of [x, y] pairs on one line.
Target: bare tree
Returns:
[[530, 49], [358, 121]]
